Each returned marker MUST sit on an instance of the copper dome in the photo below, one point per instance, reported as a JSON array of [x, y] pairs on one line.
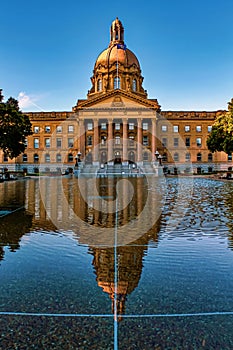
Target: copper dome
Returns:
[[112, 54]]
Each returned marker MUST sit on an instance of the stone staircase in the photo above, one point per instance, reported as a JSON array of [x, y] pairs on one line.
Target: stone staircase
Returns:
[[125, 170]]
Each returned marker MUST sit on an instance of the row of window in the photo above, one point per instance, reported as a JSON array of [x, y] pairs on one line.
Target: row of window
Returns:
[[117, 126], [187, 128], [116, 84], [176, 157], [47, 129], [118, 139], [145, 141], [131, 126], [47, 142], [90, 126], [70, 157], [186, 141]]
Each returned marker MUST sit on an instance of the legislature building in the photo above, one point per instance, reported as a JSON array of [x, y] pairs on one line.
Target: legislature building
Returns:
[[118, 125]]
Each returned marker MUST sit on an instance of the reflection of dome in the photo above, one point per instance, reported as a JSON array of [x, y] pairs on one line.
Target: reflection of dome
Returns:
[[110, 56], [129, 269], [117, 67]]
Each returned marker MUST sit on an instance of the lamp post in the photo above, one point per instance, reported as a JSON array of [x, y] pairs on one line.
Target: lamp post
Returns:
[[156, 155], [79, 156], [76, 161], [160, 159]]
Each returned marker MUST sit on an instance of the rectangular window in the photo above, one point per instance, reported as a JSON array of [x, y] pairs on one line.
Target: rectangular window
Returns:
[[198, 128], [117, 140], [198, 141], [89, 126], [209, 128], [36, 129], [187, 142], [131, 126], [145, 126], [26, 142], [70, 142], [145, 141], [59, 129], [59, 142], [47, 143], [175, 128], [36, 143], [164, 128], [103, 126], [117, 126], [70, 128], [187, 128], [47, 129], [176, 142], [164, 142]]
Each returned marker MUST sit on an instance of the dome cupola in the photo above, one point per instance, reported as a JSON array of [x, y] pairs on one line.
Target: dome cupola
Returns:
[[117, 67]]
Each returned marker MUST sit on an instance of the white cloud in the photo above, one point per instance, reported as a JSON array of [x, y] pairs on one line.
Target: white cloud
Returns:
[[27, 101]]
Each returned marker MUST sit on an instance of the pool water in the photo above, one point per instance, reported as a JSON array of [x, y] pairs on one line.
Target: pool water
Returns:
[[116, 264]]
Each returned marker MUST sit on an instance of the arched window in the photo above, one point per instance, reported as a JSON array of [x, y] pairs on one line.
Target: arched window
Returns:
[[70, 157], [47, 158], [99, 85], [36, 158], [117, 83], [187, 157], [210, 157], [134, 85], [145, 156], [58, 158], [176, 157], [25, 157], [199, 157], [131, 157], [103, 157]]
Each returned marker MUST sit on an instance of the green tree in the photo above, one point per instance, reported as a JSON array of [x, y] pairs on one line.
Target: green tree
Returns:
[[221, 136], [14, 127]]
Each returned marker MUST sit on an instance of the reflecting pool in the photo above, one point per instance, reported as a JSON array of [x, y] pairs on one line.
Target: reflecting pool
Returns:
[[109, 263]]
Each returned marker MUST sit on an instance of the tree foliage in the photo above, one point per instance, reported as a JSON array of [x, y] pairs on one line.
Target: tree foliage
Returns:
[[14, 127], [221, 136]]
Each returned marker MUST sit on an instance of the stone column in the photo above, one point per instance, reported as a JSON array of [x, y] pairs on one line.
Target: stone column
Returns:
[[153, 138], [125, 140], [96, 141], [139, 140], [110, 140]]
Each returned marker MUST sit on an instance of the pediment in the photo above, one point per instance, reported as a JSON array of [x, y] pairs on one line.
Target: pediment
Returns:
[[117, 99]]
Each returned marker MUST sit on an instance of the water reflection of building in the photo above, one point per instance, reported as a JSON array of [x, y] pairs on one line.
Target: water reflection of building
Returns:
[[129, 260], [88, 208]]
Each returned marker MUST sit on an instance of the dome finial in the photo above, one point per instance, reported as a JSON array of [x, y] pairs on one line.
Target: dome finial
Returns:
[[116, 32]]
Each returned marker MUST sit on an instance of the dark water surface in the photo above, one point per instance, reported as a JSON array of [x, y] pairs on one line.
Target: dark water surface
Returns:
[[116, 264]]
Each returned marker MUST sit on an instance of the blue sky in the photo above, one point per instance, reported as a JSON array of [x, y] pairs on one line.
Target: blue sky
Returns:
[[185, 48]]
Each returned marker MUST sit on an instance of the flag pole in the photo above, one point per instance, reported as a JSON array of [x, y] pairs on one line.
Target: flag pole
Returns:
[[117, 71]]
